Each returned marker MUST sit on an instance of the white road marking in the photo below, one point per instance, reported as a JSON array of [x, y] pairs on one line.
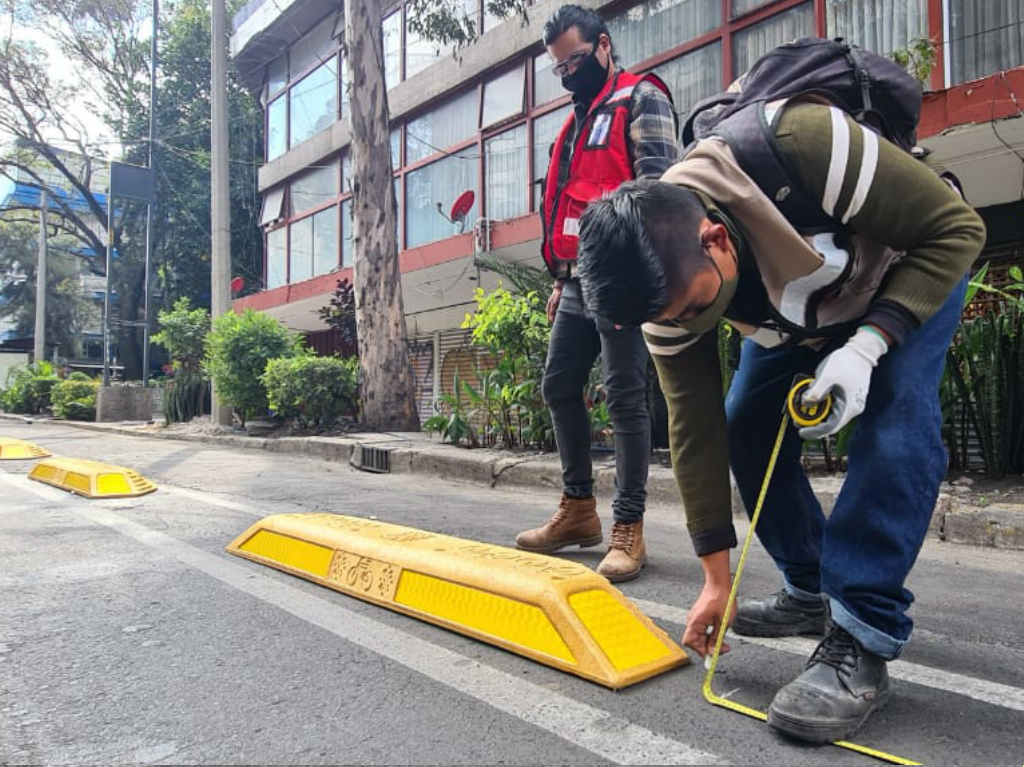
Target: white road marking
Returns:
[[994, 693], [588, 727]]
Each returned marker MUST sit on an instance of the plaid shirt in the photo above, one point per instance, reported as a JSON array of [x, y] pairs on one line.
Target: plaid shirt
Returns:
[[652, 135]]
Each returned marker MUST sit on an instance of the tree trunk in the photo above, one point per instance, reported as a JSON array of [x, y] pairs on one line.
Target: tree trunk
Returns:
[[388, 391]]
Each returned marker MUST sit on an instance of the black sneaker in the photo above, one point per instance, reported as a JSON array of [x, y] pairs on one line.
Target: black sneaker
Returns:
[[780, 615], [840, 687]]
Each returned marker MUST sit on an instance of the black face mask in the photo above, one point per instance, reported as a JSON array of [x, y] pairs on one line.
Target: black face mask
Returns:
[[588, 79]]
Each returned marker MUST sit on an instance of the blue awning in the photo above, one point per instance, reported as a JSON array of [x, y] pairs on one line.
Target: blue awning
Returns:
[[16, 194]]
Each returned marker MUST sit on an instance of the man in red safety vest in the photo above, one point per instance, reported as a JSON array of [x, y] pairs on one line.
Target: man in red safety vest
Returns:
[[622, 127]]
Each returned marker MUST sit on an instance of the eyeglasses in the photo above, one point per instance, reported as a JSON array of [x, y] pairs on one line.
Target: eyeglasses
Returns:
[[562, 68]]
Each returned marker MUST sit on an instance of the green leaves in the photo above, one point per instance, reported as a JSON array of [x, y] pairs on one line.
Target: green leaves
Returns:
[[183, 334], [237, 351], [985, 377], [314, 391], [74, 399]]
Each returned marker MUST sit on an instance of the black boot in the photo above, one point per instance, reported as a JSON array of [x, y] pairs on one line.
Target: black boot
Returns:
[[780, 615], [840, 687]]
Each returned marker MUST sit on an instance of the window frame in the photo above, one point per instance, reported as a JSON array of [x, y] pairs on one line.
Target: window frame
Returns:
[[531, 111]]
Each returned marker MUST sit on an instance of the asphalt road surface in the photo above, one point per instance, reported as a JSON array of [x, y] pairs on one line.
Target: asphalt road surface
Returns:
[[128, 635]]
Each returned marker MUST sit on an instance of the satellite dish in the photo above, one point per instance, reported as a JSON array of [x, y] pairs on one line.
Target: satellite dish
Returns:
[[461, 208]]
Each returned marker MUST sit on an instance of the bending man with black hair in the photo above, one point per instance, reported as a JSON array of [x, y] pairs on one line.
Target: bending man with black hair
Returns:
[[871, 306]]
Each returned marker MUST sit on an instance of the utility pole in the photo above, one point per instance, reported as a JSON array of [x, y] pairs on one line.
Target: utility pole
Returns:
[[106, 289], [149, 205], [220, 212], [39, 348]]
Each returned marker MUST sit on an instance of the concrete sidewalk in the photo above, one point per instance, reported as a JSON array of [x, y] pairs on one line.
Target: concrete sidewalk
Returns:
[[956, 518]]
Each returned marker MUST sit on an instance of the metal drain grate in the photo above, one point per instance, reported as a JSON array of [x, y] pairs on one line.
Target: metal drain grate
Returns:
[[375, 459]]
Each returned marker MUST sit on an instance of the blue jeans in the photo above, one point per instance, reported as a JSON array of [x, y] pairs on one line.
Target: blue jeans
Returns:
[[860, 556], [576, 340]]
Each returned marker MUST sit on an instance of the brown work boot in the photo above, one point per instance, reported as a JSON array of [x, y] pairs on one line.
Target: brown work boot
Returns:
[[574, 524], [627, 553]]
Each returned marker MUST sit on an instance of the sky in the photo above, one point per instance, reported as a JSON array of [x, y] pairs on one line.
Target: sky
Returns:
[[64, 70]]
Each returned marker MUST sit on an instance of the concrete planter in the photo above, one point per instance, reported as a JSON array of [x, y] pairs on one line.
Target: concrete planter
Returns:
[[124, 403]]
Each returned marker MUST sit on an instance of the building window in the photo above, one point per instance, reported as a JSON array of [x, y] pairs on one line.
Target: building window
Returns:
[[346, 233], [420, 53], [438, 184], [545, 131], [314, 48], [313, 102], [751, 43], [392, 30], [546, 87], [300, 250], [659, 25], [277, 258], [985, 36], [877, 25], [277, 127], [395, 139], [504, 97], [315, 188], [505, 165], [693, 76], [277, 75], [443, 126], [346, 171], [273, 206], [325, 240], [399, 207], [740, 7]]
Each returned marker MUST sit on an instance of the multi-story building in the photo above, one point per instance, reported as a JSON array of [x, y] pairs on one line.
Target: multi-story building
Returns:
[[484, 122]]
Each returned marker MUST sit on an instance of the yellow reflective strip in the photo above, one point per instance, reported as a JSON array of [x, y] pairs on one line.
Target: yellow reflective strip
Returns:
[[112, 484], [78, 482], [622, 638], [291, 552], [500, 617]]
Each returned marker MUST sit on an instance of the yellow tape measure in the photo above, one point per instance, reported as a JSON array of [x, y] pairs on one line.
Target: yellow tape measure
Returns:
[[806, 413], [803, 415]]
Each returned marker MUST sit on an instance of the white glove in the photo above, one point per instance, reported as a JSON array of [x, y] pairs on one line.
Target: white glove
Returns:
[[846, 373]]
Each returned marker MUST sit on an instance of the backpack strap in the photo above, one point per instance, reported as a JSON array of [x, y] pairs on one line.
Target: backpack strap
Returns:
[[752, 140]]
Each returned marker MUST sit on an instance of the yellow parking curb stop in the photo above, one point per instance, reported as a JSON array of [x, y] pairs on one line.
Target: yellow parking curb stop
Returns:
[[554, 611], [20, 450], [91, 479]]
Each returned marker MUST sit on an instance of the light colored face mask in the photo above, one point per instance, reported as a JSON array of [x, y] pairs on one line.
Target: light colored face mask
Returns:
[[710, 315]]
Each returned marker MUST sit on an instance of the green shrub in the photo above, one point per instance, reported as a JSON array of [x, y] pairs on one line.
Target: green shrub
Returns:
[[315, 391], [237, 351], [454, 423], [78, 375], [183, 332], [984, 379], [28, 389], [80, 410], [515, 330], [75, 399], [184, 396]]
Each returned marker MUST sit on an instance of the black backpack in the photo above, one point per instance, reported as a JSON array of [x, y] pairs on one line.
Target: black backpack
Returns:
[[875, 91]]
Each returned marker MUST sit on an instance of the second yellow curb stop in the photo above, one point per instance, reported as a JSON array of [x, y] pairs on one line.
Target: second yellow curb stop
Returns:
[[91, 479], [20, 450], [553, 611]]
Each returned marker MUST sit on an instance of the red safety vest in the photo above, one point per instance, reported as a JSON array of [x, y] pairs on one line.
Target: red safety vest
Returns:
[[600, 162]]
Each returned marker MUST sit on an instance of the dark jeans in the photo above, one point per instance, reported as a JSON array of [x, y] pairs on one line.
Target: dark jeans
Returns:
[[576, 340], [860, 556]]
